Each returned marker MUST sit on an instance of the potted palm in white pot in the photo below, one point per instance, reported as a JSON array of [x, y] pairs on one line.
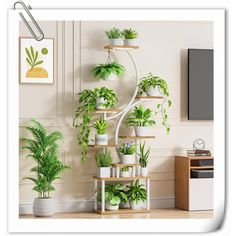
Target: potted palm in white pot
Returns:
[[140, 119], [115, 36], [143, 159], [104, 161], [101, 137], [130, 37], [44, 150], [127, 153]]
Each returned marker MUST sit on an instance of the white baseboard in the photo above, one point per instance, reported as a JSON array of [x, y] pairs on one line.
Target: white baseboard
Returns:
[[87, 205]]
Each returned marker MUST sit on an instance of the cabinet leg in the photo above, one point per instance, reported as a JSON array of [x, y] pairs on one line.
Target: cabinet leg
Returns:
[[103, 195]]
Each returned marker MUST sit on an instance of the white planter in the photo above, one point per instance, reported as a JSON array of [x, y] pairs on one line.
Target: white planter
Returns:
[[130, 42], [104, 172], [124, 205], [144, 171], [112, 77], [101, 139], [128, 159], [100, 103], [109, 207], [116, 42], [154, 91], [134, 205], [124, 174], [141, 130], [43, 207]]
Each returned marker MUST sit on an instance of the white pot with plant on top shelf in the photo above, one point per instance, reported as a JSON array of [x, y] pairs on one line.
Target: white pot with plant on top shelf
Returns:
[[115, 37], [130, 37], [127, 153], [101, 137], [143, 159], [125, 171], [141, 120], [104, 161]]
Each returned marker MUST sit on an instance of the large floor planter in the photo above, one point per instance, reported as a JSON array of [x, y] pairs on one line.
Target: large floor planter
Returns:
[[128, 159], [116, 42], [141, 130], [144, 171], [134, 205], [104, 172], [153, 91], [110, 207], [43, 207], [101, 139], [130, 42], [100, 103]]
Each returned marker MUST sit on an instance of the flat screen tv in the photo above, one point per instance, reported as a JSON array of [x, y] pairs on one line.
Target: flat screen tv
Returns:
[[200, 84]]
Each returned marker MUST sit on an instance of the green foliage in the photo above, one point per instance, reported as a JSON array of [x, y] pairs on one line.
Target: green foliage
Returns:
[[103, 71], [136, 192], [114, 33], [32, 57], [125, 169], [127, 148], [103, 158], [130, 34], [100, 126], [140, 117], [143, 155], [84, 111], [44, 150]]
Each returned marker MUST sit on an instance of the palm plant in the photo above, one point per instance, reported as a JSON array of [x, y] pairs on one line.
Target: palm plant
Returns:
[[136, 192], [44, 150], [100, 126], [32, 57], [130, 34], [143, 155]]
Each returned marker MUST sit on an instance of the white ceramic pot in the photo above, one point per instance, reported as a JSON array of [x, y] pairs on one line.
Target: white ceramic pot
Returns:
[[128, 159], [109, 207], [124, 174], [134, 205], [104, 172], [141, 130], [101, 139], [116, 42], [100, 103], [144, 171], [154, 91], [130, 42], [43, 207], [112, 77], [124, 205]]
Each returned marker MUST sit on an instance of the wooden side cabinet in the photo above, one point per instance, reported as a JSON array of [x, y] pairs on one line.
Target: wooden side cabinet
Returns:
[[192, 193]]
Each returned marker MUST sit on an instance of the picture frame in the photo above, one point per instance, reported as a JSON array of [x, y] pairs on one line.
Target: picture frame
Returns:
[[36, 61]]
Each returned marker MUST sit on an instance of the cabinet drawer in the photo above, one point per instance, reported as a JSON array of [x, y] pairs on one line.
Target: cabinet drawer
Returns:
[[201, 194]]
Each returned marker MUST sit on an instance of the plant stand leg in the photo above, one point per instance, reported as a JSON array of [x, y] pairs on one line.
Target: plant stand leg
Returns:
[[148, 193], [117, 171], [103, 195], [133, 170], [95, 195]]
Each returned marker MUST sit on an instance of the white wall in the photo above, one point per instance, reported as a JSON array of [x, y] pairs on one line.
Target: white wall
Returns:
[[78, 46]]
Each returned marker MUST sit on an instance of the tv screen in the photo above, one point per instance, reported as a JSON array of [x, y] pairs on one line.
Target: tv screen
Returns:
[[200, 84]]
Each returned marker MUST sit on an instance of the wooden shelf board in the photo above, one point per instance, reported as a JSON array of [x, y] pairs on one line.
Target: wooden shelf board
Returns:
[[122, 165], [110, 110], [137, 137], [123, 211], [201, 167], [103, 146], [148, 97], [121, 178], [120, 47]]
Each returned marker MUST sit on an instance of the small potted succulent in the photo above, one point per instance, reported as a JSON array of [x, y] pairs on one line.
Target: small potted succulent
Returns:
[[137, 195], [109, 71], [143, 159], [101, 137], [104, 161], [127, 153], [140, 119], [125, 172], [105, 98], [115, 36], [43, 149], [130, 37]]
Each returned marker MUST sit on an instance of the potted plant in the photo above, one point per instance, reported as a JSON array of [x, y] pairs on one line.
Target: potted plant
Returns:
[[140, 119], [136, 194], [88, 101], [130, 37], [115, 36], [127, 153], [125, 172], [109, 71], [44, 150], [104, 160], [101, 137], [143, 159]]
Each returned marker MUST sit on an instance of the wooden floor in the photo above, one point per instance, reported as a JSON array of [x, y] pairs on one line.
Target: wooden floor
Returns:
[[154, 214]]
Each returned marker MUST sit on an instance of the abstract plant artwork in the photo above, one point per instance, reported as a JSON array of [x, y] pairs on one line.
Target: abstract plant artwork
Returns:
[[36, 61]]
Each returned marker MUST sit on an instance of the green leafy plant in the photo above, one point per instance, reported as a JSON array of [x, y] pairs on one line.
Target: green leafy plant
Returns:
[[103, 158], [114, 33], [43, 148], [83, 114], [130, 34], [136, 192], [101, 126], [32, 57], [143, 155], [125, 169], [103, 71], [140, 117], [127, 148], [154, 81]]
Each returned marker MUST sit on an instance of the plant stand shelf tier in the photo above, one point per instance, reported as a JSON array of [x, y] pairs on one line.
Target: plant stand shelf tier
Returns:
[[109, 47], [123, 211], [136, 137]]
